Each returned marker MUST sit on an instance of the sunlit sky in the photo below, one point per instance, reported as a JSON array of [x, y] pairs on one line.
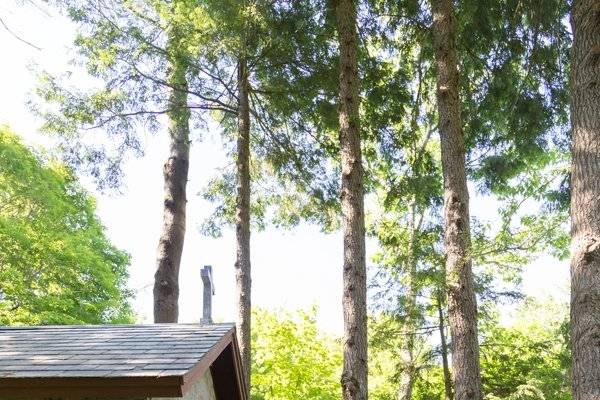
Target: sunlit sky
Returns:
[[290, 269]]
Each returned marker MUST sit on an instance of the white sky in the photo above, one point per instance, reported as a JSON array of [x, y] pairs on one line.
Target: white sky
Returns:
[[290, 270]]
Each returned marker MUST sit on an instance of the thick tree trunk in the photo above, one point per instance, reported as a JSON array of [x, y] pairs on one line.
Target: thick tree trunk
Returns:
[[444, 349], [175, 171], [585, 199], [242, 220], [462, 306], [354, 374]]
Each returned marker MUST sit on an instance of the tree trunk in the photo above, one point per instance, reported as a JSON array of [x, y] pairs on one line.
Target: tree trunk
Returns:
[[407, 358], [462, 306], [242, 220], [407, 375], [585, 199], [354, 374], [444, 349], [175, 172]]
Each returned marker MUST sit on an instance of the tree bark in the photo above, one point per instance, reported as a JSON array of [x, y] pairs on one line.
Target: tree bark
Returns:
[[462, 306], [175, 172], [407, 375], [585, 199], [354, 374], [444, 349], [242, 221]]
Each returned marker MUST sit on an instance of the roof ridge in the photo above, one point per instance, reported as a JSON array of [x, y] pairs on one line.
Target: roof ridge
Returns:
[[104, 326]]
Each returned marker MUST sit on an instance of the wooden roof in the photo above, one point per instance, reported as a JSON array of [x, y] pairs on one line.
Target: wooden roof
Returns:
[[118, 360]]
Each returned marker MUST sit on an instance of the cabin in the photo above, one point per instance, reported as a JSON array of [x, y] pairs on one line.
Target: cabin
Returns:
[[162, 361], [129, 362]]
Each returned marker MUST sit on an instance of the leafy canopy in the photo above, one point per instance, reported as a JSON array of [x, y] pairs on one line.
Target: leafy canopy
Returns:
[[56, 264], [292, 359]]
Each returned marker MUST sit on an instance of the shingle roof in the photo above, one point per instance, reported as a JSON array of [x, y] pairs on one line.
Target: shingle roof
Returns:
[[110, 355], [99, 351]]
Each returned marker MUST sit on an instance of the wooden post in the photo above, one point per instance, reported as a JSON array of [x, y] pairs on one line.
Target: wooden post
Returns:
[[208, 292]]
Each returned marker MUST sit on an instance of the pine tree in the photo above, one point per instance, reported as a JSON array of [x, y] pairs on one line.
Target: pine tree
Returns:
[[462, 305], [585, 199], [242, 219], [175, 171], [354, 375], [151, 60]]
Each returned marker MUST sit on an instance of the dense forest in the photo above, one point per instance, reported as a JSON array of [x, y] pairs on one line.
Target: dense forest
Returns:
[[377, 119]]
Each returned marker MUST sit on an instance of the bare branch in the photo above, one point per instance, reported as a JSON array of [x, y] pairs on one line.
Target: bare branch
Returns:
[[16, 36]]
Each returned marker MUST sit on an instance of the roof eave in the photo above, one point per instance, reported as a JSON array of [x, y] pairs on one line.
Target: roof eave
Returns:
[[32, 388], [228, 340]]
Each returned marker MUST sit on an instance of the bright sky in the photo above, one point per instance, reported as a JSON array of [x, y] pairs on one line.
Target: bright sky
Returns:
[[290, 270]]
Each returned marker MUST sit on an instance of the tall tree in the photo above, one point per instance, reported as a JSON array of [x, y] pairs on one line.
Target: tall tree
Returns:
[[242, 219], [354, 374], [462, 306], [585, 199], [150, 59], [175, 171], [238, 36], [271, 48]]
